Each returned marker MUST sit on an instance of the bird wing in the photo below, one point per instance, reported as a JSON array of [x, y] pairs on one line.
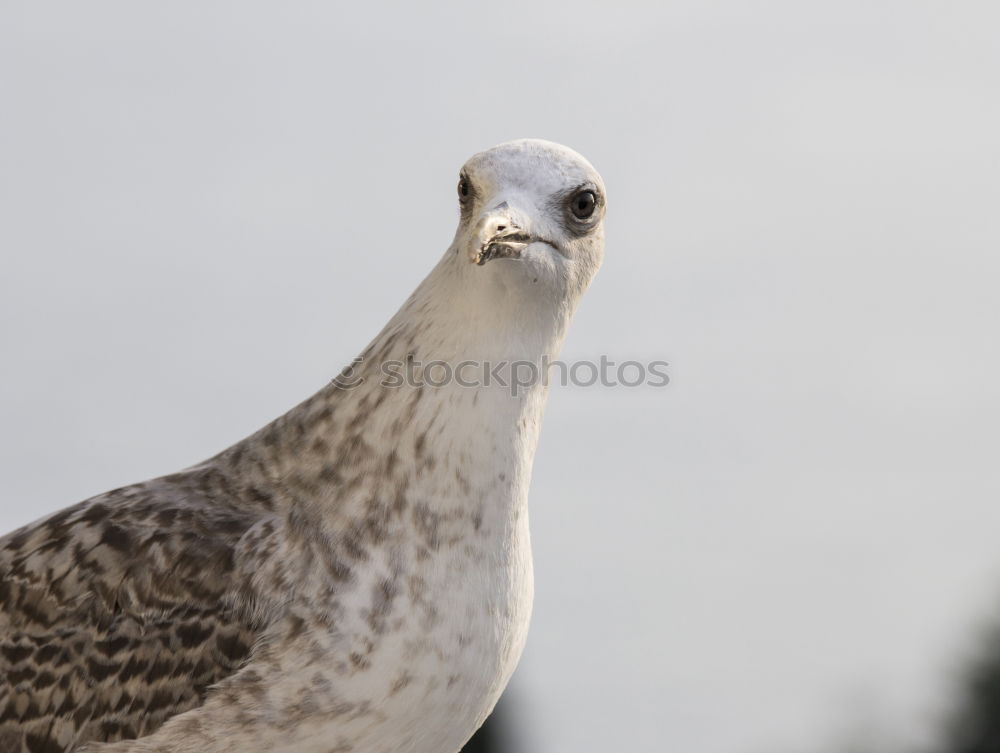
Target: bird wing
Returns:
[[120, 612]]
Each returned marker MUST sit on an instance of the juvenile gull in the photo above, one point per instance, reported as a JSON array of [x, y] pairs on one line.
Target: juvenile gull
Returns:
[[355, 576]]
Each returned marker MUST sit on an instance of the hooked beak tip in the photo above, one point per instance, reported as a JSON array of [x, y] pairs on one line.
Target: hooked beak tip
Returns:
[[502, 245]]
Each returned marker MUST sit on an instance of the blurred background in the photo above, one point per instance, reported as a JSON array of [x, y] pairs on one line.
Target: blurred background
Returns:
[[206, 211]]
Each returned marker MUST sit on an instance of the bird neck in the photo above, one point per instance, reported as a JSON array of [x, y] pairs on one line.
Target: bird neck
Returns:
[[443, 404], [494, 312]]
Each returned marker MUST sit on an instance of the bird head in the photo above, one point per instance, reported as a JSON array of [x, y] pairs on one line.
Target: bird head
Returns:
[[532, 210]]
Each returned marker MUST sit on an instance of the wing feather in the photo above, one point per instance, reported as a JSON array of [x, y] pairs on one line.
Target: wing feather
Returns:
[[121, 611]]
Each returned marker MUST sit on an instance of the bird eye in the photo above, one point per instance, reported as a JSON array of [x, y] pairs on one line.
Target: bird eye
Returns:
[[583, 204], [464, 189]]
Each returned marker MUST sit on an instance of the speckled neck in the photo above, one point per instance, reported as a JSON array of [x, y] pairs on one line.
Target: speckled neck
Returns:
[[348, 445]]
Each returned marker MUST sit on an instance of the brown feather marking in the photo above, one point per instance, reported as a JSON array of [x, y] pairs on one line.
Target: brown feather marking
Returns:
[[120, 612]]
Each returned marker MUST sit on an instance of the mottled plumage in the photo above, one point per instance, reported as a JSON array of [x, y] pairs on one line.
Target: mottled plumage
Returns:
[[356, 576], [121, 611]]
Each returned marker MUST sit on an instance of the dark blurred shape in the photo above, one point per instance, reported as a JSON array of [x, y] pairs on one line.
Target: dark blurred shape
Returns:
[[974, 726], [485, 740], [490, 737]]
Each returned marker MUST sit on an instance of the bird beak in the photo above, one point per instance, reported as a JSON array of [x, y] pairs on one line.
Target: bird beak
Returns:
[[497, 236]]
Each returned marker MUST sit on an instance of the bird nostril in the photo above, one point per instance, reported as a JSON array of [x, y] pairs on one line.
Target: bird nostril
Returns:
[[501, 228]]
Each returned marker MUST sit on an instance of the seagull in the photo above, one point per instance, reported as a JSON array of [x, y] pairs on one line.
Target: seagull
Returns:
[[356, 575]]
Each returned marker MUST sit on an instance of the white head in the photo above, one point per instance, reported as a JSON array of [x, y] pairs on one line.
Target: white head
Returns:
[[532, 218], [529, 241]]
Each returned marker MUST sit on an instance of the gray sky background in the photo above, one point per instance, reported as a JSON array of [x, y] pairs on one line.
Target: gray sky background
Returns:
[[206, 209]]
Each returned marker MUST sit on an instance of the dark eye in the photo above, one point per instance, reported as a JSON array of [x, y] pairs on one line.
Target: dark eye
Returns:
[[464, 189], [583, 204]]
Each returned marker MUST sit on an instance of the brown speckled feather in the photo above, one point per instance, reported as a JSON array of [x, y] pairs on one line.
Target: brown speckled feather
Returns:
[[120, 612]]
